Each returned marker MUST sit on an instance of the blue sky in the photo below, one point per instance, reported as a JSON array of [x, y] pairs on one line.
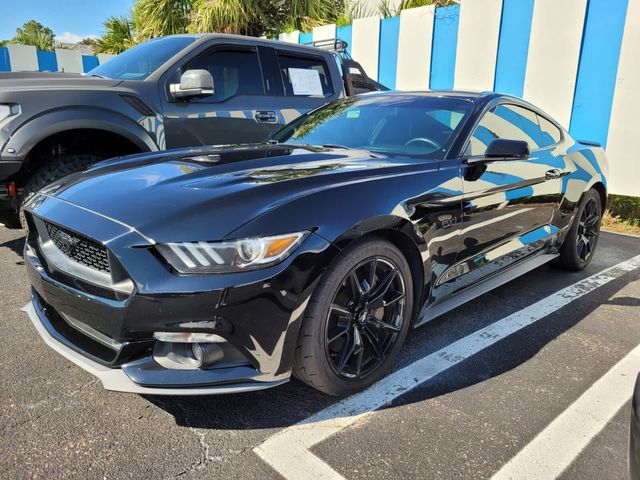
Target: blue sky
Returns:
[[69, 19]]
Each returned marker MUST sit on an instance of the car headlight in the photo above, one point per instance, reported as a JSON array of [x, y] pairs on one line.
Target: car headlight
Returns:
[[230, 256], [7, 111]]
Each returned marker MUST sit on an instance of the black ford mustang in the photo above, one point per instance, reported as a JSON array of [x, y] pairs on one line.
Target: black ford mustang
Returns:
[[230, 268]]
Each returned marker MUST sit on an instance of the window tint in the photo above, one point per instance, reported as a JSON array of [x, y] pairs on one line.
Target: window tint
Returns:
[[297, 82], [550, 134], [507, 122], [235, 72]]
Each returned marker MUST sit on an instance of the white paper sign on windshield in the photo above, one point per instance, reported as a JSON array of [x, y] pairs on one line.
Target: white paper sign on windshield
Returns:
[[305, 81]]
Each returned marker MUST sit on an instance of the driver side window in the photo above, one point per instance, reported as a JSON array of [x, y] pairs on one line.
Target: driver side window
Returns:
[[508, 122]]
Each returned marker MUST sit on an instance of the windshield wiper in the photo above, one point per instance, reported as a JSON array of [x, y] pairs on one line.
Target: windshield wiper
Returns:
[[336, 145]]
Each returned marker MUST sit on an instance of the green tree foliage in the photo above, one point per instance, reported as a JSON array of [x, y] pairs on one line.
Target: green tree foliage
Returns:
[[156, 18], [36, 34], [119, 35]]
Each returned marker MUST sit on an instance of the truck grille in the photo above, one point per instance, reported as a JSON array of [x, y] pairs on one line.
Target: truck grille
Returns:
[[79, 248]]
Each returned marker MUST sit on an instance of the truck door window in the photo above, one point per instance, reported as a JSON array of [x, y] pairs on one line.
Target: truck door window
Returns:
[[235, 72], [290, 64]]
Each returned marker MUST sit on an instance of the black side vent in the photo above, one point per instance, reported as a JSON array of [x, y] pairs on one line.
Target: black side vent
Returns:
[[139, 105]]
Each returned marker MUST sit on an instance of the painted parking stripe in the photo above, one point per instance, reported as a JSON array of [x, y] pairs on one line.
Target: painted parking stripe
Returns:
[[288, 450], [560, 443]]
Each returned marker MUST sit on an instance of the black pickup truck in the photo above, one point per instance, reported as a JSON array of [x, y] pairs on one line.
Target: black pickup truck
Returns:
[[176, 91]]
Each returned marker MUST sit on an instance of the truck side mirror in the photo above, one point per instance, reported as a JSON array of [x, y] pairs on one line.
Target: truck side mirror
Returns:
[[193, 84]]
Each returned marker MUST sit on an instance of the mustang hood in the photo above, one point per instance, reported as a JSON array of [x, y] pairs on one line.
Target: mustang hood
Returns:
[[206, 193]]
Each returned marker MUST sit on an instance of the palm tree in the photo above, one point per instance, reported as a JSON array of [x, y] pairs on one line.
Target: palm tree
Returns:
[[156, 18], [118, 37], [36, 34]]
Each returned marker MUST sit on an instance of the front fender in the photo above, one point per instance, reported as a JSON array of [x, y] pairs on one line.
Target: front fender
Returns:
[[39, 128]]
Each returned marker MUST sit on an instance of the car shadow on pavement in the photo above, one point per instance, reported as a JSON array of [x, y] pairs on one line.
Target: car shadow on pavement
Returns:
[[293, 402], [516, 349], [9, 219], [16, 245]]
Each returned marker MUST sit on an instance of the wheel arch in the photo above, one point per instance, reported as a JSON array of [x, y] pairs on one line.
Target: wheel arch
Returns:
[[73, 123], [402, 235]]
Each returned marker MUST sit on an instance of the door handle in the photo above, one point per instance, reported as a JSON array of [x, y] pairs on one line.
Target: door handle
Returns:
[[264, 116], [553, 174]]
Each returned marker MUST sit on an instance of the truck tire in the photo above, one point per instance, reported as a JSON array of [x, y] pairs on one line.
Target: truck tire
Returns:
[[52, 170]]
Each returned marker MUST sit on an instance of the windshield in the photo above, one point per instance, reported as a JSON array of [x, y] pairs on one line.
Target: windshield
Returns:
[[404, 125], [139, 62]]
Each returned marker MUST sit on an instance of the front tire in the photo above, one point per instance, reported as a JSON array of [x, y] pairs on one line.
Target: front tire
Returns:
[[53, 170], [581, 241], [357, 319]]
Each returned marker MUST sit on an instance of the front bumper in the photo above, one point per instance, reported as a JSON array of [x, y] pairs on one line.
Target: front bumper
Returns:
[[256, 314], [120, 379]]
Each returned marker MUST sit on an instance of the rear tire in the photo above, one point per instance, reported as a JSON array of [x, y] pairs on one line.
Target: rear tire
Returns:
[[581, 241], [53, 170], [350, 336]]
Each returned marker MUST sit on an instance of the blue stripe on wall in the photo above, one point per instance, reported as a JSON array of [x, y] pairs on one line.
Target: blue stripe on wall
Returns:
[[5, 63], [388, 52], [89, 63], [305, 37], [445, 41], [47, 61], [601, 44], [344, 33], [513, 46]]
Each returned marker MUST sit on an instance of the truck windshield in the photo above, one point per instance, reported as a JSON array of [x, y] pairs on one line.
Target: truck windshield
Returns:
[[139, 62], [405, 125]]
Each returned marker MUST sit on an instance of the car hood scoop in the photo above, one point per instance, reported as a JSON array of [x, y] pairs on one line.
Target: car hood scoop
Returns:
[[206, 193]]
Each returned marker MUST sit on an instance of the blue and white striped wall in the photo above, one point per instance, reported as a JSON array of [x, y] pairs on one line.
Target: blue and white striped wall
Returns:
[[576, 59], [26, 58]]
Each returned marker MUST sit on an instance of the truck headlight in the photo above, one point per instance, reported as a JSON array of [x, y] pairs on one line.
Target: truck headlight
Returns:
[[230, 256], [8, 110]]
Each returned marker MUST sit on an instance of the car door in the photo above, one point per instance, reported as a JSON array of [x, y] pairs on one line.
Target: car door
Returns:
[[508, 204], [229, 115]]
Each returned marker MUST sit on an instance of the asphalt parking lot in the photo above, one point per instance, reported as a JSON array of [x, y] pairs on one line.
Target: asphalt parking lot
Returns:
[[465, 415]]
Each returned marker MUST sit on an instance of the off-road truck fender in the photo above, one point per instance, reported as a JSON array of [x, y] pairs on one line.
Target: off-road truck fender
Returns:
[[34, 130]]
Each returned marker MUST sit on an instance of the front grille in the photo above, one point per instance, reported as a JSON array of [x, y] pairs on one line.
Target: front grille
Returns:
[[79, 248]]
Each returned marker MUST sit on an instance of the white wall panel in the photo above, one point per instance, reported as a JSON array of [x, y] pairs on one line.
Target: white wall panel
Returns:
[[365, 39], [24, 58], [624, 129], [104, 57], [325, 32], [477, 48], [414, 48], [291, 37], [554, 53], [69, 61]]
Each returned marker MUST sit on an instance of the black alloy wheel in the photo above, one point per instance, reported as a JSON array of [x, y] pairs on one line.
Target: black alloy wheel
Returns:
[[581, 240], [364, 318], [356, 320], [588, 229]]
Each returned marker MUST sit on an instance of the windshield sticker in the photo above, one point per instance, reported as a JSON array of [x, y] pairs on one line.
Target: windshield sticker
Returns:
[[305, 81], [353, 114]]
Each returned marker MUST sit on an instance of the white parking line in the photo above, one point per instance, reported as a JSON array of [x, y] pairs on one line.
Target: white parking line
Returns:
[[560, 443], [288, 450]]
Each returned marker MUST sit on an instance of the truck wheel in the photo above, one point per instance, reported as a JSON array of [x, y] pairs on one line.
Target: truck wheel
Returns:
[[53, 170]]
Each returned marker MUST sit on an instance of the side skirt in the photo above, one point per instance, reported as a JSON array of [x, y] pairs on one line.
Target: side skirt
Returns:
[[434, 310]]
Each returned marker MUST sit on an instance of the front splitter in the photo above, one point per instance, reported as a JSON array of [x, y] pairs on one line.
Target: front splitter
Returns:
[[117, 380]]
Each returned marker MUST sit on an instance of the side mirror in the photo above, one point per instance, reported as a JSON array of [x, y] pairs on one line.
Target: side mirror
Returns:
[[193, 84], [514, 149]]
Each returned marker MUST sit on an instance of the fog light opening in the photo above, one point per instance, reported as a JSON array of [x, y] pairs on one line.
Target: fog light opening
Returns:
[[206, 354]]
